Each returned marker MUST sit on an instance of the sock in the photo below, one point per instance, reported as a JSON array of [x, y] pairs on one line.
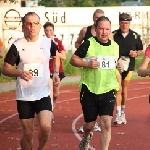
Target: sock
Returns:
[[122, 108], [88, 137], [118, 110]]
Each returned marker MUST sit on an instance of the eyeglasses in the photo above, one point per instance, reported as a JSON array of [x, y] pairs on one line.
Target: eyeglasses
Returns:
[[32, 23]]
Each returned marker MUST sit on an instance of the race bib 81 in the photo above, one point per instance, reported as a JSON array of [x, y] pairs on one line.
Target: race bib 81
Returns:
[[36, 69], [107, 62]]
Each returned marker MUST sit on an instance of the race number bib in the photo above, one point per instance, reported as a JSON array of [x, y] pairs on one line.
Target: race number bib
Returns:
[[107, 62], [125, 62], [35, 68]]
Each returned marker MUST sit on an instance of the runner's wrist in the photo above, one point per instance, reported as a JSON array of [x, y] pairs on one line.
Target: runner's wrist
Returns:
[[56, 72], [20, 72]]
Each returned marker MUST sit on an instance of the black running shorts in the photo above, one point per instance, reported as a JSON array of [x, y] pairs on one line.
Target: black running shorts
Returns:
[[126, 75], [27, 109], [94, 105]]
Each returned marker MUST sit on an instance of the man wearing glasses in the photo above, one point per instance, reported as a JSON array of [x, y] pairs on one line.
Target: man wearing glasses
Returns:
[[31, 55], [130, 46]]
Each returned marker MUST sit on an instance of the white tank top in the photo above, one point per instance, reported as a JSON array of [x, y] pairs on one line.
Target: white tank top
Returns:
[[34, 57]]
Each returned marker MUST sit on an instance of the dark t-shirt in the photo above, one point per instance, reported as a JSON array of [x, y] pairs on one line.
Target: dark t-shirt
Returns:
[[88, 33]]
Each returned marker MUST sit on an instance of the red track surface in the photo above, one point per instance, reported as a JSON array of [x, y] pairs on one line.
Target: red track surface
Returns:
[[135, 135]]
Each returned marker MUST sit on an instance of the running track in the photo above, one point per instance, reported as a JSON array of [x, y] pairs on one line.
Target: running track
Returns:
[[135, 135]]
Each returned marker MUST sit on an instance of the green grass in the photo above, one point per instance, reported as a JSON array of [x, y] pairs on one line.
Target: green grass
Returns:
[[68, 68], [69, 83]]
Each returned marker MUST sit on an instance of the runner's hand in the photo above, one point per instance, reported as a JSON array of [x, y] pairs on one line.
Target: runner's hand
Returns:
[[26, 75], [120, 67], [56, 79], [133, 53], [93, 64]]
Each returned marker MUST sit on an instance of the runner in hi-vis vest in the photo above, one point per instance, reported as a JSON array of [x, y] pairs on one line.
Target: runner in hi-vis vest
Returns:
[[98, 57]]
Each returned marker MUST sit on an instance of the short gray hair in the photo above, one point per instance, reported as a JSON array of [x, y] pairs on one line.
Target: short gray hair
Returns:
[[26, 15]]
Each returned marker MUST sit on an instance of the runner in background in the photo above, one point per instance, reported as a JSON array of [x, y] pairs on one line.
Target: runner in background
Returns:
[[130, 46], [49, 32]]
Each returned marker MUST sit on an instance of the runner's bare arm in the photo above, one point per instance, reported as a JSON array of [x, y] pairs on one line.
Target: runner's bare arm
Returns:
[[9, 70], [120, 65], [56, 63], [78, 62], [80, 37], [142, 70], [61, 54]]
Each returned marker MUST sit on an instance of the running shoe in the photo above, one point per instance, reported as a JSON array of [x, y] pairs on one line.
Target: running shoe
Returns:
[[84, 144], [96, 127], [118, 119], [123, 118]]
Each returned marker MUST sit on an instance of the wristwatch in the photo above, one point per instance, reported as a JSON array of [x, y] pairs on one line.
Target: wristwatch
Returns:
[[56, 72]]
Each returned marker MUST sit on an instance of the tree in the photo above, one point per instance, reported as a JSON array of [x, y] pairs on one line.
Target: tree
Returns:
[[48, 3], [79, 3], [146, 2], [12, 1]]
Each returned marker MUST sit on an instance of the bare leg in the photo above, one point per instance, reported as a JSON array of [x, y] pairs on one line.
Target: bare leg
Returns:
[[119, 96], [88, 127], [118, 93], [105, 122], [125, 84], [44, 118], [27, 138]]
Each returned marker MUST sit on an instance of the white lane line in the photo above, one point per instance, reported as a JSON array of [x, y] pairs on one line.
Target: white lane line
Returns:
[[72, 99], [7, 101], [1, 121], [75, 131], [135, 89], [137, 97]]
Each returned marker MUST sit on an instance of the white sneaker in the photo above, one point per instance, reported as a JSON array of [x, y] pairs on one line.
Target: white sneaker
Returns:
[[124, 121], [84, 144], [81, 129], [118, 119], [96, 127]]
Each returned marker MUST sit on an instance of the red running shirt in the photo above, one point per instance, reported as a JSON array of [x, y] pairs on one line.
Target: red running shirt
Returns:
[[147, 51], [60, 48]]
